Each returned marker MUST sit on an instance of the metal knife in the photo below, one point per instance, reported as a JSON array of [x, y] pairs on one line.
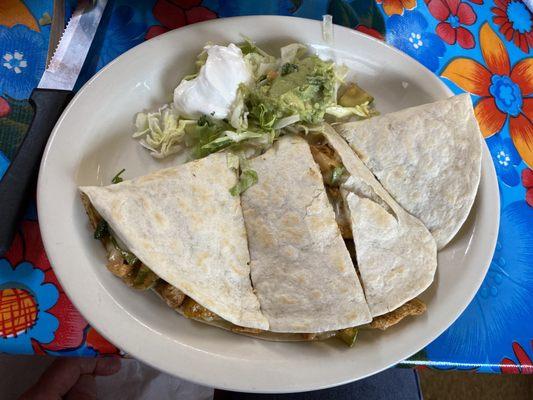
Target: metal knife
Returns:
[[56, 28], [48, 101]]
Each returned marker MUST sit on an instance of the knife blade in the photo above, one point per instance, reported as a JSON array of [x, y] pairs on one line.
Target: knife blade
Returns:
[[48, 100], [65, 65], [56, 28]]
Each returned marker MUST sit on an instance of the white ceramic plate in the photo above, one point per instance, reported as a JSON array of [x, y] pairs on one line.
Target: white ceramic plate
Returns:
[[91, 142]]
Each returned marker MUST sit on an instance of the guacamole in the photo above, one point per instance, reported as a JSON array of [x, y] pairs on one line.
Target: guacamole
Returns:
[[304, 87]]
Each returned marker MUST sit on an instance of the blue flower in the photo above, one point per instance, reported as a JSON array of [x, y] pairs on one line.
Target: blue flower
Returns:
[[121, 34], [519, 16], [24, 302], [408, 33], [505, 158], [502, 308], [22, 59], [515, 22], [507, 94]]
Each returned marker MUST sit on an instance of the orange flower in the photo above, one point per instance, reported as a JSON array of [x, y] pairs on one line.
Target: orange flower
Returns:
[[505, 91], [397, 6]]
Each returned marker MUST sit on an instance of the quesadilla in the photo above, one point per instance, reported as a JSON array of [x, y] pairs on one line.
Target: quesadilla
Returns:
[[427, 157], [275, 269], [183, 224], [300, 267], [396, 254]]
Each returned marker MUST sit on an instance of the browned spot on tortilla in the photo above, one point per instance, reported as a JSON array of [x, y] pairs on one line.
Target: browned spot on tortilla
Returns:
[[159, 218], [240, 269], [340, 263], [145, 204], [382, 219], [262, 234], [197, 219], [290, 219], [116, 207], [147, 245], [285, 299], [351, 316], [202, 257], [317, 223]]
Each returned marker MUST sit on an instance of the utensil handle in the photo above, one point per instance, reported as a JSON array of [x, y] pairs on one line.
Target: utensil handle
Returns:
[[48, 104]]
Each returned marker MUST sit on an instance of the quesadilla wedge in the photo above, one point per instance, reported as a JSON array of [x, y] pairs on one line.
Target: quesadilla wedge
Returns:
[[107, 207], [140, 277], [184, 226], [427, 157], [396, 254], [300, 267]]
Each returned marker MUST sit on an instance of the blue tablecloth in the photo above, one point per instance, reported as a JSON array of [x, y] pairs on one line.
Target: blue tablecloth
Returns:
[[480, 46]]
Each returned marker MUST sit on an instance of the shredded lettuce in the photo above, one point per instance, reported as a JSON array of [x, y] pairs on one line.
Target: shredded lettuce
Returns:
[[362, 111], [259, 61], [232, 161], [292, 52], [336, 175], [247, 179], [239, 113], [249, 46], [348, 336], [162, 131], [202, 136], [284, 122], [291, 94]]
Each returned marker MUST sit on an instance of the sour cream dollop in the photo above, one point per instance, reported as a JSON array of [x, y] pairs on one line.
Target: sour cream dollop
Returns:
[[214, 90]]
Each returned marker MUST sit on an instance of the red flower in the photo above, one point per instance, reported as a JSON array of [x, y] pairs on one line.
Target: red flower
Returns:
[[28, 246], [100, 344], [514, 20], [5, 109], [527, 182], [369, 31], [524, 364], [174, 14], [453, 14]]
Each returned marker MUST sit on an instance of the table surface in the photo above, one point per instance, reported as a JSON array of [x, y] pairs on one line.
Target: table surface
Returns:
[[480, 46]]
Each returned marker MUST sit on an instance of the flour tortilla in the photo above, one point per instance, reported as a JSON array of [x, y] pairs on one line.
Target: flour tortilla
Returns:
[[301, 269], [185, 226], [396, 254], [427, 157]]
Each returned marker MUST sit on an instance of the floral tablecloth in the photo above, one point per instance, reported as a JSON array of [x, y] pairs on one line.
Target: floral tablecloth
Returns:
[[480, 46]]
